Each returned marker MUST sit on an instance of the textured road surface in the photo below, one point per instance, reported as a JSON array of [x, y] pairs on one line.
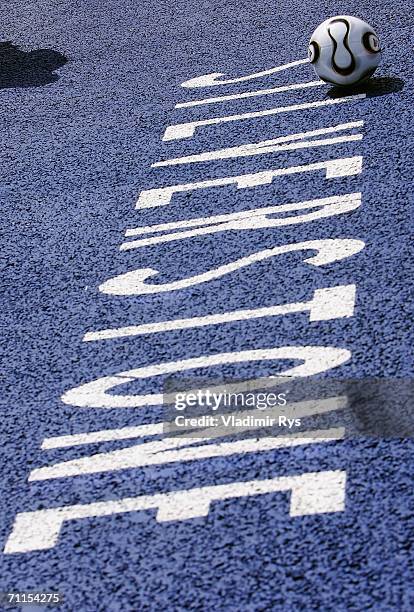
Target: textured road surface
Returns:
[[87, 90]]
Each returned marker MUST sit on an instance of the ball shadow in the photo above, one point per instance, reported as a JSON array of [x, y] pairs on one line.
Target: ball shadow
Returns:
[[28, 68], [380, 86]]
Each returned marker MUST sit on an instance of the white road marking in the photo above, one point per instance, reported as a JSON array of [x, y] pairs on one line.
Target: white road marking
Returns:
[[326, 304], [250, 94], [208, 80], [291, 142], [328, 251], [94, 394], [312, 493], [187, 130], [255, 218], [334, 168], [170, 450], [293, 410], [104, 435]]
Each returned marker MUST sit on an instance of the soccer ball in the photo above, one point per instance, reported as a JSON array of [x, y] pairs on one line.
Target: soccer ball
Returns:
[[344, 50]]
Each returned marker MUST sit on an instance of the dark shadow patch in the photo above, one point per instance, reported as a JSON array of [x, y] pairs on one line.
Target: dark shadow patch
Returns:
[[28, 68], [380, 86]]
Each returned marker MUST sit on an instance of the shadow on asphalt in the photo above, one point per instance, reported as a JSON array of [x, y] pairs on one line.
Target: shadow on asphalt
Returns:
[[28, 68], [380, 86]]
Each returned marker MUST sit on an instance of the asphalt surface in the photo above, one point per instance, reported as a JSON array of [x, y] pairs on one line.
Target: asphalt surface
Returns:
[[87, 91]]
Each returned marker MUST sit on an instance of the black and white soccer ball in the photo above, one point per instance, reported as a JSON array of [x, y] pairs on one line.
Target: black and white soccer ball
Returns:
[[344, 50]]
